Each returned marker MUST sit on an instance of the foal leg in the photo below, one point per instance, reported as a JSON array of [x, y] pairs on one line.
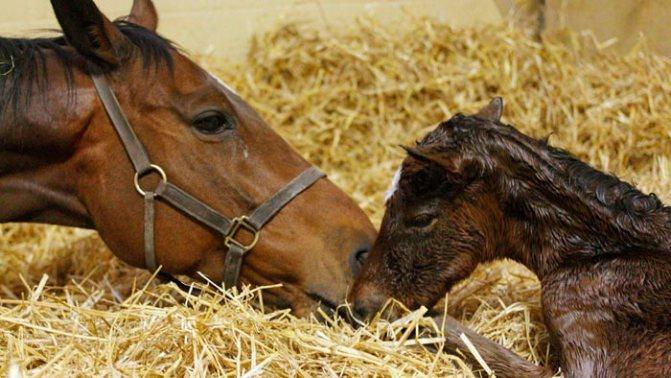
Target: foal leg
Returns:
[[502, 361]]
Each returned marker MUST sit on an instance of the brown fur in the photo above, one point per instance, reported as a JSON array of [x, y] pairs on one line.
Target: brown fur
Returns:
[[62, 163], [475, 190]]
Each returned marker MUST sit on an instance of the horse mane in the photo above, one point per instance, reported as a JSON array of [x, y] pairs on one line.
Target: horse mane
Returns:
[[554, 171], [23, 62], [607, 189]]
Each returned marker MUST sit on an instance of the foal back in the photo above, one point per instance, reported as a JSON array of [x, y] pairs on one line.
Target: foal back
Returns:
[[612, 317]]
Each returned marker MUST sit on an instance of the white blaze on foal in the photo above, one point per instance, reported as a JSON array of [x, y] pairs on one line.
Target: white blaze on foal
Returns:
[[394, 185]]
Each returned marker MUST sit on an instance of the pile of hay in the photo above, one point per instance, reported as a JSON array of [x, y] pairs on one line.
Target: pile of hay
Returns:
[[345, 103]]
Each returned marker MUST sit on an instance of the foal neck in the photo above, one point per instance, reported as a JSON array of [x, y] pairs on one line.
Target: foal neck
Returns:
[[573, 214]]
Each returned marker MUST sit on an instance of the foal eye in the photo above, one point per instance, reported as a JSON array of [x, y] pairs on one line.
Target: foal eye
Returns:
[[213, 122], [423, 221]]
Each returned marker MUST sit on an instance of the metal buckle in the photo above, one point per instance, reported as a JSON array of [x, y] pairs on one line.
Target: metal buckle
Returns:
[[152, 168], [236, 225]]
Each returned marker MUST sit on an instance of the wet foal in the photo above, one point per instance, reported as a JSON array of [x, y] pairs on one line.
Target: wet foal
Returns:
[[62, 162], [476, 190]]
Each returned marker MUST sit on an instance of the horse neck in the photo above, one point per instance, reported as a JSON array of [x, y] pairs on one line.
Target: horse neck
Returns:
[[37, 169], [550, 227]]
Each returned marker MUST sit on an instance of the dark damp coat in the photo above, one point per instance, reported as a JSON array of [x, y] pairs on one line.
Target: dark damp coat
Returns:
[[475, 190]]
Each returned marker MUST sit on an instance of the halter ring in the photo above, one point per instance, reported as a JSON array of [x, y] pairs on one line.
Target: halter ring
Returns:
[[152, 168], [236, 225]]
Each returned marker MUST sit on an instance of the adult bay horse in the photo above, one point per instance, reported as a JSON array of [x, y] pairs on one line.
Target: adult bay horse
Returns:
[[475, 190], [74, 109]]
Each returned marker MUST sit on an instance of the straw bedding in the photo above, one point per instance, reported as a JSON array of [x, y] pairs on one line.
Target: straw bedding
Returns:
[[67, 306]]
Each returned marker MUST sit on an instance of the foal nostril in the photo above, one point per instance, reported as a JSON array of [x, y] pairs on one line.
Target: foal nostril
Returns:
[[361, 310], [366, 308], [357, 258], [366, 300]]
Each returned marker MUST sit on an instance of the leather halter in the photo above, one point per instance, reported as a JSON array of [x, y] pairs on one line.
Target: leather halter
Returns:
[[227, 228]]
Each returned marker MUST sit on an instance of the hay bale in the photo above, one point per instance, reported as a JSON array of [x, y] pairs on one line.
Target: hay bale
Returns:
[[345, 102]]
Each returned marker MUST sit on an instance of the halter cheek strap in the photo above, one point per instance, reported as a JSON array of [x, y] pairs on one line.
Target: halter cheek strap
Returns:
[[175, 196]]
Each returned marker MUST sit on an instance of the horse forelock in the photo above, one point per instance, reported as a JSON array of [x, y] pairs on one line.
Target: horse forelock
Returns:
[[24, 63]]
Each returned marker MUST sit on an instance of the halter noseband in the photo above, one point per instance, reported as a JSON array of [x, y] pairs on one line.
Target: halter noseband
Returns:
[[227, 228]]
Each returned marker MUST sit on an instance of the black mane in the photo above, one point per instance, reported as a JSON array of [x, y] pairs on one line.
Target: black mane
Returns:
[[607, 189], [23, 62], [557, 165]]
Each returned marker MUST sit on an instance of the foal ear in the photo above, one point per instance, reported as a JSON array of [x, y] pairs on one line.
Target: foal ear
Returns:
[[92, 34], [452, 164], [144, 14], [418, 153], [492, 111]]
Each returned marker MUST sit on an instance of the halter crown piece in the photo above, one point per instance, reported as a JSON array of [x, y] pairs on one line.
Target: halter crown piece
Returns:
[[227, 228]]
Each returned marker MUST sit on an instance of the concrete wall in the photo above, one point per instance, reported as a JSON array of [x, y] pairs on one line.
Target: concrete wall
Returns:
[[225, 27]]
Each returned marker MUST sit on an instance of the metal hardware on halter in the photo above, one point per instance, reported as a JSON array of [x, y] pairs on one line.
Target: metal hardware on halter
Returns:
[[236, 225], [178, 198], [152, 168], [10, 64]]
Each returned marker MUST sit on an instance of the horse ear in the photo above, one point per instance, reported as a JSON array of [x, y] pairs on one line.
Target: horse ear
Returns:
[[492, 111], [418, 153], [92, 34], [452, 164], [144, 14]]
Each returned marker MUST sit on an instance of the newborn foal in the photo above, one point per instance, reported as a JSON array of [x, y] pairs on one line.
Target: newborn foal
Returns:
[[476, 190]]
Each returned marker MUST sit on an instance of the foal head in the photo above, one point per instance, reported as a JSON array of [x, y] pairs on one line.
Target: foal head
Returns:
[[440, 212], [475, 189], [208, 140]]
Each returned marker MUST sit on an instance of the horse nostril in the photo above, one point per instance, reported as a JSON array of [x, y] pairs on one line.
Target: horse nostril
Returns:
[[357, 258]]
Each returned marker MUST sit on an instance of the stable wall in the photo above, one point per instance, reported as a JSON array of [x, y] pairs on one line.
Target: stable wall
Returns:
[[622, 21], [225, 27]]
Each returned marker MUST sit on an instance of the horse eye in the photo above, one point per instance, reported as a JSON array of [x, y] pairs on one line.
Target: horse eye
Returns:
[[424, 220], [213, 122]]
